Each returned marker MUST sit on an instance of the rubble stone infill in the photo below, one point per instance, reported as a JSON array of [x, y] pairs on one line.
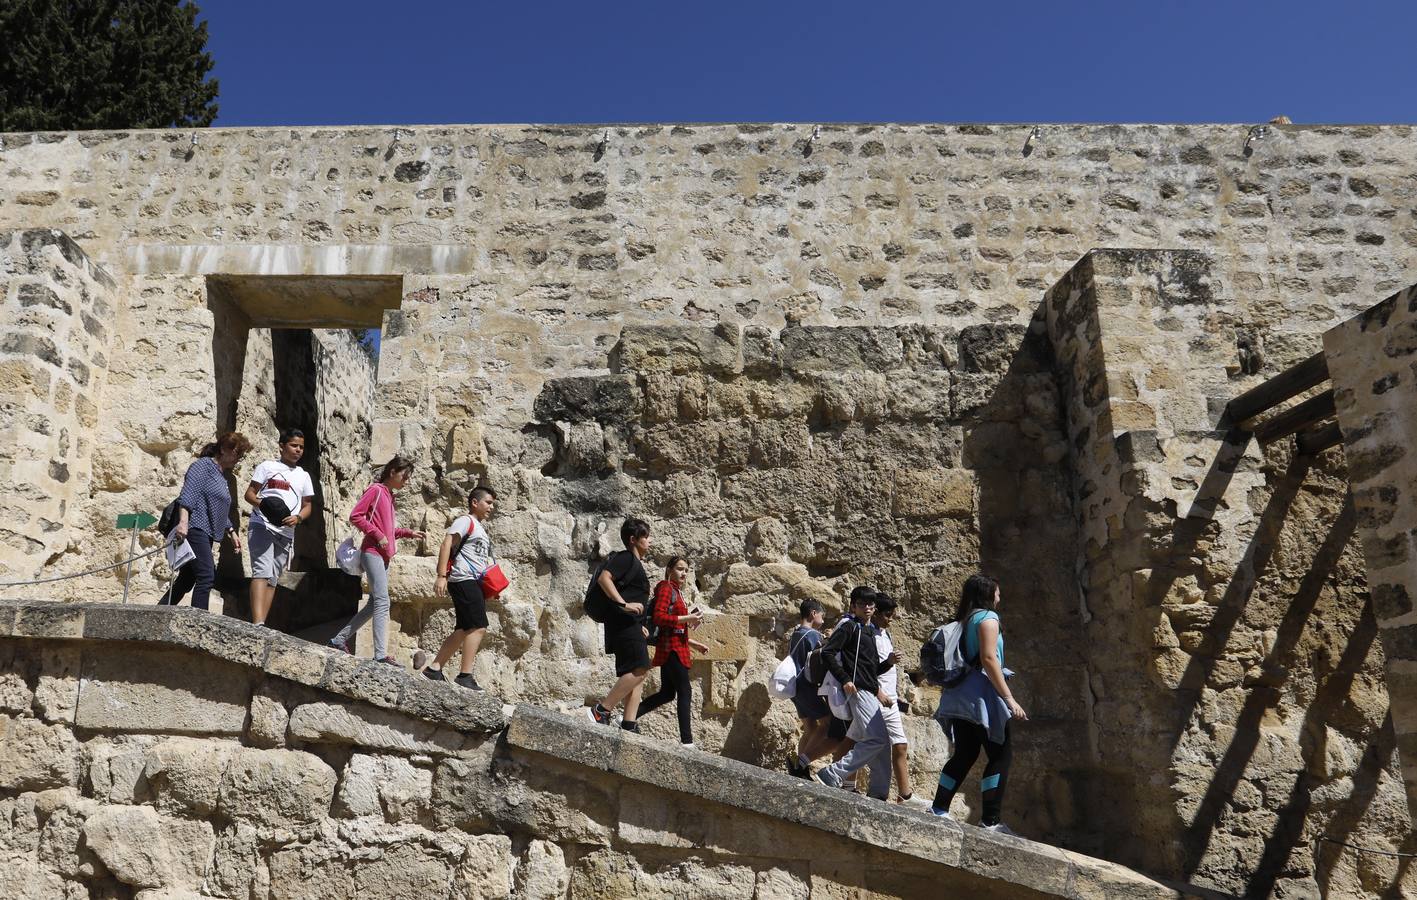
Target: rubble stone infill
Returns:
[[167, 752]]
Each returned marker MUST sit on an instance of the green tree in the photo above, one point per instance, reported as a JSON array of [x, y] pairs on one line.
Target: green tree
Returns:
[[68, 65]]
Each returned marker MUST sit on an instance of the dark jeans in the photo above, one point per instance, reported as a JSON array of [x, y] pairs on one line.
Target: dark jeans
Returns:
[[674, 684], [197, 576]]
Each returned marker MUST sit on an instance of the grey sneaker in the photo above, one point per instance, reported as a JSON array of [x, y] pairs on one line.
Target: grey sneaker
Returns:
[[1001, 828], [940, 813], [824, 776], [466, 680]]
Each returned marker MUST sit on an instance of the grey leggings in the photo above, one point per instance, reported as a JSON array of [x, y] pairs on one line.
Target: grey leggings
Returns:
[[378, 605]]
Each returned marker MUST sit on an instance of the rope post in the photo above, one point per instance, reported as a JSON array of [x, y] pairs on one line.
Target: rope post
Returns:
[[128, 572]]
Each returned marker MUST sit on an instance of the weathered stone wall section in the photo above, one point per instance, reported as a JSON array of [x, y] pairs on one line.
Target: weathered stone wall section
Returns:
[[57, 311], [1237, 687], [1372, 360], [157, 753]]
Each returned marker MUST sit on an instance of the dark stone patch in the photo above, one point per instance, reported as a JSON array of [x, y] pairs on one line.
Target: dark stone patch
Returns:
[[597, 262], [881, 201], [1121, 201], [41, 347], [1376, 505], [1402, 340], [639, 250], [1383, 553], [871, 282], [59, 471], [40, 295], [1400, 643], [1387, 382], [410, 172], [1197, 156], [79, 371], [1362, 187], [989, 348], [93, 326], [1367, 237], [1364, 464], [588, 200], [605, 399], [396, 324], [893, 252], [1140, 445], [1390, 601]]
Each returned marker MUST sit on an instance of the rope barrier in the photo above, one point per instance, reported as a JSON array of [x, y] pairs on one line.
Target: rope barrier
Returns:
[[1371, 850], [120, 564]]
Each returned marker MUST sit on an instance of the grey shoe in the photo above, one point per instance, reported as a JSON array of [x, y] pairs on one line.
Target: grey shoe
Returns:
[[824, 776], [1001, 828]]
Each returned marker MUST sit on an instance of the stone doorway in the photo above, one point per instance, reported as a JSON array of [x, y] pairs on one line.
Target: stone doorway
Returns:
[[300, 352]]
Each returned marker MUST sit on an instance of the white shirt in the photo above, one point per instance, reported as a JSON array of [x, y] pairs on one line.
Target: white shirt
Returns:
[[886, 679], [475, 558], [290, 483]]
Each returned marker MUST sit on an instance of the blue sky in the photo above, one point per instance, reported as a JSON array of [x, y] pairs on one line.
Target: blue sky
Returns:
[[315, 62]]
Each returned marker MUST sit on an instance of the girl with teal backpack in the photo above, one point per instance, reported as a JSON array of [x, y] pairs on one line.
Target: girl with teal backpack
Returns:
[[976, 711]]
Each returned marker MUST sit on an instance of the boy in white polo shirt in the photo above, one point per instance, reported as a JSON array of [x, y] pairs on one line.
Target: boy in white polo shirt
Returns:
[[890, 700]]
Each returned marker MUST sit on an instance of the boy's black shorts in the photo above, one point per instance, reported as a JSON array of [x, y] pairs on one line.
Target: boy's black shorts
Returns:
[[468, 605]]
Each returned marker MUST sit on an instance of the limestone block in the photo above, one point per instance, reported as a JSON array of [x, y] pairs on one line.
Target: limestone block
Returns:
[[542, 796], [184, 775], [542, 874], [768, 588], [23, 879], [368, 726], [15, 693], [35, 756], [56, 694], [723, 688], [467, 449], [162, 692], [314, 871], [767, 541], [519, 627], [782, 884], [933, 492], [679, 349], [236, 863], [726, 636], [145, 849], [405, 872], [61, 847], [116, 766], [485, 872], [278, 788], [269, 720], [388, 786]]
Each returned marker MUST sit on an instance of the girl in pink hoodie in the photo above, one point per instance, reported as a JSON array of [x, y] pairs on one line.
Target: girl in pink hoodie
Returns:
[[374, 515]]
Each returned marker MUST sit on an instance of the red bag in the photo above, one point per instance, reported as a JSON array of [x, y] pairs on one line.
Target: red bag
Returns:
[[493, 582]]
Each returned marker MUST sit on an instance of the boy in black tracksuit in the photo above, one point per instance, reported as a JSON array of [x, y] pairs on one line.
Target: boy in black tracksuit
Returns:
[[850, 655]]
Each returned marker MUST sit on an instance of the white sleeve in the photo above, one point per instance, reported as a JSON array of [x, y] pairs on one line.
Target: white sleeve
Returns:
[[307, 488], [261, 475]]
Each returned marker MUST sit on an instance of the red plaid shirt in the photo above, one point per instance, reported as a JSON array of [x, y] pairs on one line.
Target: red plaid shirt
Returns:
[[673, 637]]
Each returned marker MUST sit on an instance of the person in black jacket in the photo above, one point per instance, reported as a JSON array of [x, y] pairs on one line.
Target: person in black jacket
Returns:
[[850, 654]]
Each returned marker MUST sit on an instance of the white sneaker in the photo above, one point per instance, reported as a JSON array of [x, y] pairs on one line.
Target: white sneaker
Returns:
[[1001, 828], [940, 813], [689, 745], [915, 802]]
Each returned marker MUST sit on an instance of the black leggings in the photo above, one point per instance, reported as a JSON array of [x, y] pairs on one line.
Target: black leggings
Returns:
[[969, 739], [673, 683]]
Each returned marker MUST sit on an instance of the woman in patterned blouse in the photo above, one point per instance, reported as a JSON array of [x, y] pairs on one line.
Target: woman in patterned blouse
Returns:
[[672, 651], [206, 516]]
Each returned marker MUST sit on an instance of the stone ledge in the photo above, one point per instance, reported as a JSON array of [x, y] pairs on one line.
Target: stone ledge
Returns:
[[259, 648], [1026, 864]]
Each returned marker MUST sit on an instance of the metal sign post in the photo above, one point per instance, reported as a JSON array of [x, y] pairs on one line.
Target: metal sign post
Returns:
[[137, 522]]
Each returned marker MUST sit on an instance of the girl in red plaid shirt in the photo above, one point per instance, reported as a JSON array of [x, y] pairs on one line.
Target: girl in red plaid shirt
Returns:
[[672, 651]]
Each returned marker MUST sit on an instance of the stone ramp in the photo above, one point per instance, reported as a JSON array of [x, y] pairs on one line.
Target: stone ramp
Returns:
[[191, 723]]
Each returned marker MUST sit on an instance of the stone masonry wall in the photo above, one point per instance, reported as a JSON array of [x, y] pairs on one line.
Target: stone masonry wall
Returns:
[[57, 312], [158, 753], [1373, 362], [1239, 707], [527, 254]]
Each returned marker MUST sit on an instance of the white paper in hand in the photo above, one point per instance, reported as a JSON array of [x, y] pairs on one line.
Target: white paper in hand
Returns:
[[179, 554]]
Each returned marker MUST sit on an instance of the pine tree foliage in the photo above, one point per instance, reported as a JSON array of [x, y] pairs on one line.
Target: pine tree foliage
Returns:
[[69, 65]]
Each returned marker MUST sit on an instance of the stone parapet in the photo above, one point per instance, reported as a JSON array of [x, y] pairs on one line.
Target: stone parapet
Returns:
[[206, 758]]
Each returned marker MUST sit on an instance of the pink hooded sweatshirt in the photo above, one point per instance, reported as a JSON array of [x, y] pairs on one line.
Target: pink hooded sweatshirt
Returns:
[[374, 515]]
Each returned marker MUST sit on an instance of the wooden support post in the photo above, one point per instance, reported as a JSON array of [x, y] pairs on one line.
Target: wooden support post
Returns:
[[1292, 381], [1296, 418], [1317, 440]]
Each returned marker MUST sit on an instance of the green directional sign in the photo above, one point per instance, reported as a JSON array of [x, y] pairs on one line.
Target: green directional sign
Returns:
[[136, 520]]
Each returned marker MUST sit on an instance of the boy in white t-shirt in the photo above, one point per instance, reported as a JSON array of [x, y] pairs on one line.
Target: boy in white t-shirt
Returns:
[[890, 700], [464, 558], [278, 486]]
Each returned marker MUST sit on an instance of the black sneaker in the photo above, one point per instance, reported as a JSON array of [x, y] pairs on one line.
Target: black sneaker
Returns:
[[630, 726], [598, 714], [434, 674], [797, 770], [466, 680]]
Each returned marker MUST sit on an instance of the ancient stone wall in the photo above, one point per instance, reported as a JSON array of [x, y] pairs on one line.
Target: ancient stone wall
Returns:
[[1373, 362], [158, 753], [57, 311], [531, 256], [1238, 698]]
